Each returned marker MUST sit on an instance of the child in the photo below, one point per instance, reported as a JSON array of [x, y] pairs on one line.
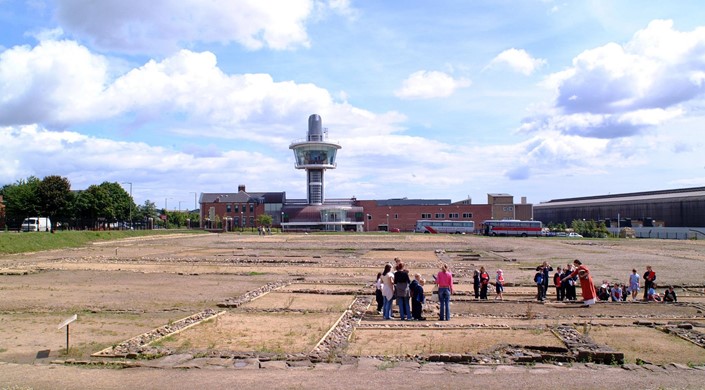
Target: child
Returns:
[[670, 295], [417, 298], [378, 293], [616, 293], [499, 285], [560, 290], [538, 279]]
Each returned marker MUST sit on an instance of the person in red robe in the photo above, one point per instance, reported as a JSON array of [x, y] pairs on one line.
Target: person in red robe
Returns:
[[586, 284]]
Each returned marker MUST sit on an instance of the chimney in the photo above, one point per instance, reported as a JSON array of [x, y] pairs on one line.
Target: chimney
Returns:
[[523, 200], [241, 188]]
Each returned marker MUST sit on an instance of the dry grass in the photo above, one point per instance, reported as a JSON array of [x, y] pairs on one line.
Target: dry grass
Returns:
[[311, 302], [648, 344], [263, 332], [389, 342]]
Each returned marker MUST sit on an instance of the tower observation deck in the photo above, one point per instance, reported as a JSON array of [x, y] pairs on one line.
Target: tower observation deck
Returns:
[[315, 154]]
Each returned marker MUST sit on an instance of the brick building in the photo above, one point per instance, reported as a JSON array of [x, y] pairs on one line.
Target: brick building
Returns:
[[238, 210]]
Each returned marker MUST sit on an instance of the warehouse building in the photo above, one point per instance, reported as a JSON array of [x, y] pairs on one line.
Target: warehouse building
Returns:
[[665, 208]]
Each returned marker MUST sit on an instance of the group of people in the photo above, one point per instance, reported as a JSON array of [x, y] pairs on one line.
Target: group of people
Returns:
[[481, 283], [617, 292], [394, 283], [409, 294]]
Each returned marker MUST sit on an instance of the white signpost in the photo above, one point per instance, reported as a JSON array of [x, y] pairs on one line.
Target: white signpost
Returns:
[[66, 324]]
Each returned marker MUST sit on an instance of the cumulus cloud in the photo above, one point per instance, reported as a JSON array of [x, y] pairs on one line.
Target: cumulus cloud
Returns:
[[621, 90], [430, 84], [518, 60], [163, 26], [61, 83]]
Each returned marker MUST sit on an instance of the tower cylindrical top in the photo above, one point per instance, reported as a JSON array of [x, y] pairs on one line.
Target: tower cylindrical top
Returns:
[[315, 128]]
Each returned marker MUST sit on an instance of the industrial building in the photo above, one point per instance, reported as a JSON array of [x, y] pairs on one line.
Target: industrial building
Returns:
[[665, 208]]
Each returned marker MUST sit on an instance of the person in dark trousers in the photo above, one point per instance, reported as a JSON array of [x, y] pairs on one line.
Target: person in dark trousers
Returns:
[[476, 283], [546, 277], [417, 298], [560, 290], [378, 293], [401, 291], [538, 279], [569, 283], [484, 282], [649, 279]]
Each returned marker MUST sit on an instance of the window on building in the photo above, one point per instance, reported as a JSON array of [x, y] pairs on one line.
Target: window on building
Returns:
[[467, 215], [396, 216], [508, 208], [453, 215], [228, 208], [425, 215], [237, 209], [252, 207], [440, 215]]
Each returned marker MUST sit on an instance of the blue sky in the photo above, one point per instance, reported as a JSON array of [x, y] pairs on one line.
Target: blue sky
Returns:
[[450, 99]]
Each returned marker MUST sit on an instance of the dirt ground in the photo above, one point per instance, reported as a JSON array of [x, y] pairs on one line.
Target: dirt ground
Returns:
[[121, 289]]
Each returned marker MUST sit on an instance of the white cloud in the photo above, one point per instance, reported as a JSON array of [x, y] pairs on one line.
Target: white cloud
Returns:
[[163, 26], [60, 83], [430, 84], [518, 60], [87, 160], [621, 90]]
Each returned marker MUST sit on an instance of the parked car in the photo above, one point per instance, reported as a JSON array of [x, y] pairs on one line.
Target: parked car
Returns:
[[574, 235]]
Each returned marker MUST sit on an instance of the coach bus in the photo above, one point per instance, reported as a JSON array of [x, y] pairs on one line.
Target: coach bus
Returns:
[[444, 226], [510, 227]]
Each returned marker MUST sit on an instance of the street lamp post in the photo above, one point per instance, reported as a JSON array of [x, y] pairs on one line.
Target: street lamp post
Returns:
[[131, 201], [242, 221], [387, 222]]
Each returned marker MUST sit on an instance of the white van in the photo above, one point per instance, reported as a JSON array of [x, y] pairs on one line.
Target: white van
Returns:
[[36, 224]]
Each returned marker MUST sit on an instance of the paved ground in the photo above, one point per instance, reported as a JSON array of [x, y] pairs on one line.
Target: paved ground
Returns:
[[365, 376]]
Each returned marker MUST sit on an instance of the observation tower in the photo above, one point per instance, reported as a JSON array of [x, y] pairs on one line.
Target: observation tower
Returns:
[[315, 155]]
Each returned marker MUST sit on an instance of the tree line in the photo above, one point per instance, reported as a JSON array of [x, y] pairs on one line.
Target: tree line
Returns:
[[105, 205]]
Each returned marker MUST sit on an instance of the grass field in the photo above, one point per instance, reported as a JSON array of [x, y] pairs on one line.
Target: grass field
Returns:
[[32, 242]]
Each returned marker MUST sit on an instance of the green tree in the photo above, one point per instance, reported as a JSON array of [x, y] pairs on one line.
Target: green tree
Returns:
[[94, 205], [264, 220], [147, 210], [54, 195], [120, 202], [21, 200]]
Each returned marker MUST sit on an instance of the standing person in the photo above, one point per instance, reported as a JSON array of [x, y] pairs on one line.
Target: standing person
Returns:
[[444, 280], [401, 291], [417, 298], [649, 278], [476, 283], [378, 293], [634, 284], [569, 283], [538, 279], [387, 291], [499, 285], [587, 286], [546, 276], [560, 290], [484, 282]]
